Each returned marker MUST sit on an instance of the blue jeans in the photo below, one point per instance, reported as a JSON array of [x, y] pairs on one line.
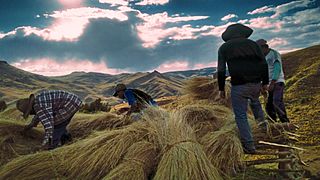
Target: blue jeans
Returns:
[[60, 134], [275, 105], [241, 96]]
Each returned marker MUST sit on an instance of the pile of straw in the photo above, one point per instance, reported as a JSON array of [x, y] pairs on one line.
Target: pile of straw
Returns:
[[200, 88], [101, 154], [182, 156], [204, 118], [44, 165], [14, 143], [83, 128], [138, 163], [224, 150]]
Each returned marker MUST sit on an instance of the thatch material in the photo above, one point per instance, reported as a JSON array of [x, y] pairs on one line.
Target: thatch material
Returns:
[[276, 132], [224, 150], [14, 143], [138, 163], [44, 165], [207, 88], [83, 128], [183, 157], [99, 155], [205, 118]]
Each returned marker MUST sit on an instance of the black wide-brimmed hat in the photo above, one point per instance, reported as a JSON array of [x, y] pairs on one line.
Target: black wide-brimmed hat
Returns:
[[236, 31]]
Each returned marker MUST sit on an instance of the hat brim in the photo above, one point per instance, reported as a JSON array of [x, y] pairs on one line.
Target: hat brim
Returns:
[[115, 94], [30, 102]]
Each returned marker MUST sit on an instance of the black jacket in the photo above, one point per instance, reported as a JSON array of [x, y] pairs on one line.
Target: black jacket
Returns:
[[245, 60]]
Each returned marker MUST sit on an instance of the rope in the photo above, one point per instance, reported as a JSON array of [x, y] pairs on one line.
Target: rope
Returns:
[[169, 146], [137, 161]]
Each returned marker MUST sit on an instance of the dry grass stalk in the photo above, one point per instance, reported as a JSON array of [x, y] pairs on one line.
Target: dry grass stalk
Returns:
[[138, 163], [14, 143], [43, 165], [207, 88], [205, 118], [99, 155], [83, 128], [182, 156], [224, 150]]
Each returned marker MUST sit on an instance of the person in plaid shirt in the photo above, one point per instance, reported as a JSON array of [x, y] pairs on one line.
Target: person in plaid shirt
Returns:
[[54, 109]]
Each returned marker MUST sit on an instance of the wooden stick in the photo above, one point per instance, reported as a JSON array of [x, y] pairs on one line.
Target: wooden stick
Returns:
[[281, 170], [266, 161], [293, 134], [272, 153], [281, 145]]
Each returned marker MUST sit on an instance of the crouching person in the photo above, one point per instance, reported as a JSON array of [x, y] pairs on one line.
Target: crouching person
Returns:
[[54, 109], [137, 100]]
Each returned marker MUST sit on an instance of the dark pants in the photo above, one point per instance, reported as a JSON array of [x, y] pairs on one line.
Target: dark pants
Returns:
[[60, 134], [275, 105], [241, 96]]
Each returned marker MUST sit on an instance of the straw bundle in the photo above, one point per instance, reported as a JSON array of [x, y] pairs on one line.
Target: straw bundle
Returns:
[[224, 150], [206, 88], [101, 154], [182, 156], [14, 143], [44, 165], [138, 163], [83, 128], [205, 118]]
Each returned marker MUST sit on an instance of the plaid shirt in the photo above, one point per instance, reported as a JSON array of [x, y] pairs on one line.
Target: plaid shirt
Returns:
[[54, 107]]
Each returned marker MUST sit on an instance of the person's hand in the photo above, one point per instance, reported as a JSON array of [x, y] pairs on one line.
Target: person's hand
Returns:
[[271, 86], [222, 94]]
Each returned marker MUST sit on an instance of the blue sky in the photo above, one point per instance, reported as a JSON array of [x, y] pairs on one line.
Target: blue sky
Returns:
[[57, 37]]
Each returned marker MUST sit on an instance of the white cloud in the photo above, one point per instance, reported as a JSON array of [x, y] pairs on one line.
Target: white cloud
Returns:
[[283, 8], [152, 2], [277, 42], [156, 23], [116, 2], [261, 10], [69, 24], [228, 17]]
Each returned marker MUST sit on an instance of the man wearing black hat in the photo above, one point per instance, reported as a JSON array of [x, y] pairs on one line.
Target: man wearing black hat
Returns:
[[54, 109], [249, 75], [137, 99]]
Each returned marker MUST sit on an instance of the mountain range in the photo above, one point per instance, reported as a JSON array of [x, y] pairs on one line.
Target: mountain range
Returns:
[[16, 83]]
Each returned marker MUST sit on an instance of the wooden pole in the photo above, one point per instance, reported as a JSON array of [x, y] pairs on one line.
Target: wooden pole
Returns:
[[265, 161]]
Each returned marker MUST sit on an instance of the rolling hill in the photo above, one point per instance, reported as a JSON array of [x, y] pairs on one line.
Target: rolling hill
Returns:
[[302, 96], [16, 83]]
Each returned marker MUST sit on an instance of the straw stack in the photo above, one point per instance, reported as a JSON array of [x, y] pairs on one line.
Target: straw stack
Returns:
[[14, 143], [207, 88], [205, 118], [182, 156], [83, 128], [138, 163], [224, 150]]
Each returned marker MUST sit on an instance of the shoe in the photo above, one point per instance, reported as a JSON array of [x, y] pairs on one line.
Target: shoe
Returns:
[[249, 151]]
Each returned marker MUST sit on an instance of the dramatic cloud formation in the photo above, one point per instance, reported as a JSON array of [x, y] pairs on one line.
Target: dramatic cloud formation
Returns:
[[114, 36]]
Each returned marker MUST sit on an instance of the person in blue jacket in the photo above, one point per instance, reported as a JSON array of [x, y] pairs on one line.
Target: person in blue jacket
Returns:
[[137, 99]]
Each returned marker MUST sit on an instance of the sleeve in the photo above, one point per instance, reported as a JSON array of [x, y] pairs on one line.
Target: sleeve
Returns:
[[35, 121], [276, 70], [130, 97], [44, 113], [221, 70], [264, 67]]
